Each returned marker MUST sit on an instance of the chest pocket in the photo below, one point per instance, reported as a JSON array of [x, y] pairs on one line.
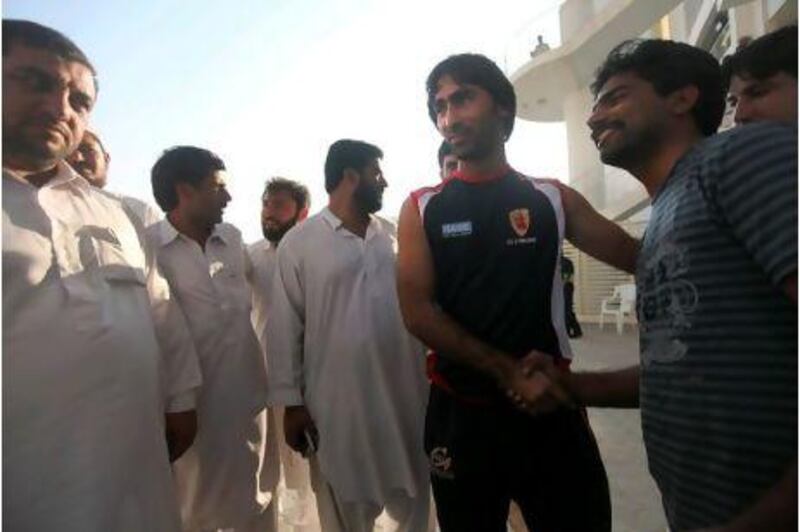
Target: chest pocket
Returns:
[[230, 284], [103, 252]]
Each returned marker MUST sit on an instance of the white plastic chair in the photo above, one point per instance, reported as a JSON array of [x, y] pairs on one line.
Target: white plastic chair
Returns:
[[621, 303]]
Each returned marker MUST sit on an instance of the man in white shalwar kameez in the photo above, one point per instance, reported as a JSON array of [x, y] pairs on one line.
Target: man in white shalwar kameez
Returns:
[[341, 362], [284, 204], [224, 480], [94, 351]]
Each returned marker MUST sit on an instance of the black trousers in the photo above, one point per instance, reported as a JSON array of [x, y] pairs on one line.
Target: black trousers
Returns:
[[484, 456]]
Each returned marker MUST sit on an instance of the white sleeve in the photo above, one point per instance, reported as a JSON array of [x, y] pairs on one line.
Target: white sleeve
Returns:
[[285, 331], [181, 375]]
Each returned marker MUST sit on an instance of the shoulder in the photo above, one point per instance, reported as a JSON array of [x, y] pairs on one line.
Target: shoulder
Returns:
[[552, 188], [752, 141], [386, 225], [160, 232], [424, 194], [258, 246], [749, 154], [229, 231], [302, 232]]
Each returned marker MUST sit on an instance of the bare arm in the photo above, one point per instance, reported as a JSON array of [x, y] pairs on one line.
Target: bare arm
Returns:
[[595, 234], [423, 318], [614, 388]]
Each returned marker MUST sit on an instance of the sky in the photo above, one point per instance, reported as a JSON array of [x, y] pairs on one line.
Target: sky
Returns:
[[268, 85]]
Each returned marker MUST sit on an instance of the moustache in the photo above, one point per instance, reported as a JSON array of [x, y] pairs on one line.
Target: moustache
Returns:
[[601, 127]]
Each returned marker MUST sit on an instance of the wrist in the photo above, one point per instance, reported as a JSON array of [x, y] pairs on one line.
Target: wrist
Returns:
[[501, 368]]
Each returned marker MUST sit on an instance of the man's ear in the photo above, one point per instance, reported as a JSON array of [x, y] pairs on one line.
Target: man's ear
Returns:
[[351, 177], [683, 100], [302, 214], [184, 191]]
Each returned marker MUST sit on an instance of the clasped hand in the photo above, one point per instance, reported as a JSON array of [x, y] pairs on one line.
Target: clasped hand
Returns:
[[534, 384]]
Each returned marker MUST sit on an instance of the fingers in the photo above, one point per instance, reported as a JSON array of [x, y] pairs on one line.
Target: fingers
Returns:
[[538, 386], [535, 360]]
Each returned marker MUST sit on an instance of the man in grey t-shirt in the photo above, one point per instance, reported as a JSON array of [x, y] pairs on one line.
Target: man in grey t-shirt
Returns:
[[717, 292]]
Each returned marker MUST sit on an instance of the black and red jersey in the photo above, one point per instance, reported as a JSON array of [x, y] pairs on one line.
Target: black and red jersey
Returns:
[[496, 247]]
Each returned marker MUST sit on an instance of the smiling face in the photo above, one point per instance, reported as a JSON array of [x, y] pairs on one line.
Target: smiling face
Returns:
[[205, 202], [90, 160], [46, 107], [773, 98], [628, 120], [468, 119]]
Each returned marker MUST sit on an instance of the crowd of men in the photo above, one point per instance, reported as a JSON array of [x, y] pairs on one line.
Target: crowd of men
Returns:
[[159, 373]]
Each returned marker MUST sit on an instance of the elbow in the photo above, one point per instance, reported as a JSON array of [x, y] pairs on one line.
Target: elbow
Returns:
[[413, 319], [412, 322]]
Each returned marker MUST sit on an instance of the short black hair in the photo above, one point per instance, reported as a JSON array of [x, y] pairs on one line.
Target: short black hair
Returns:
[[475, 69], [445, 149], [298, 191], [764, 57], [35, 35], [181, 164], [347, 153], [669, 66]]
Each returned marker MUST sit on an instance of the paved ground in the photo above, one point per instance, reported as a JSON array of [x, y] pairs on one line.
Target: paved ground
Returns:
[[636, 505]]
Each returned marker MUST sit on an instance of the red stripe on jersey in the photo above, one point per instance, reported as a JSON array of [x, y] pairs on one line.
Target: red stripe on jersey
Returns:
[[417, 195]]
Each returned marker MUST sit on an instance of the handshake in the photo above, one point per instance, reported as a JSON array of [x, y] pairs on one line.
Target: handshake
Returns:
[[536, 385]]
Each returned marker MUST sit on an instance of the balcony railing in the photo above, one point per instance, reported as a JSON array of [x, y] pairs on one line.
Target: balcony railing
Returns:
[[523, 40]]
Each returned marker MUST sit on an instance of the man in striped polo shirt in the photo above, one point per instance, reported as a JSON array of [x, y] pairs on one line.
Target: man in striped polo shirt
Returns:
[[479, 284], [717, 292]]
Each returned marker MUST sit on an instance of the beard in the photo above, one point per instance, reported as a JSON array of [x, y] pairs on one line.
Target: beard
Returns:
[[482, 140], [632, 147], [276, 232], [369, 198]]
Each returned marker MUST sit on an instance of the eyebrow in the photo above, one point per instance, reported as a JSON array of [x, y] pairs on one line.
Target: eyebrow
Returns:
[[460, 92], [608, 95], [81, 94]]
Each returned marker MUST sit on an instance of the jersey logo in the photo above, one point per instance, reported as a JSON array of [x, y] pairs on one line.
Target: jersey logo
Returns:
[[457, 229], [520, 221], [441, 463]]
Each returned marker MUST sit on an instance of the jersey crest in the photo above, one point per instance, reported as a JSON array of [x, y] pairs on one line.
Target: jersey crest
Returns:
[[520, 221]]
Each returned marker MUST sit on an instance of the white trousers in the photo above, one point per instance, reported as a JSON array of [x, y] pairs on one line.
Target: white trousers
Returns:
[[400, 513]]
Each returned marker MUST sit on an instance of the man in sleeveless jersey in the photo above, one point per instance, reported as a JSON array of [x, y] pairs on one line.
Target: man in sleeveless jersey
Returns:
[[479, 283]]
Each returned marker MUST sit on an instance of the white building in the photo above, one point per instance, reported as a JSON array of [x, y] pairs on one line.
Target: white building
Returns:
[[554, 86]]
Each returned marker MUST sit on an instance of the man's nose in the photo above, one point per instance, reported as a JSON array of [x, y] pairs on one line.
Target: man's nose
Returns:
[[57, 102], [743, 113]]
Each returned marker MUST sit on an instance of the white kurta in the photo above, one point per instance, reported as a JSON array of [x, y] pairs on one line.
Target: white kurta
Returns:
[[263, 258], [219, 479], [336, 343], [83, 406], [293, 468]]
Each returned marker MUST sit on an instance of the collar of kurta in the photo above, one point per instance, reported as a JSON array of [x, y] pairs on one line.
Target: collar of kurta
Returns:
[[64, 175], [168, 233], [335, 223]]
